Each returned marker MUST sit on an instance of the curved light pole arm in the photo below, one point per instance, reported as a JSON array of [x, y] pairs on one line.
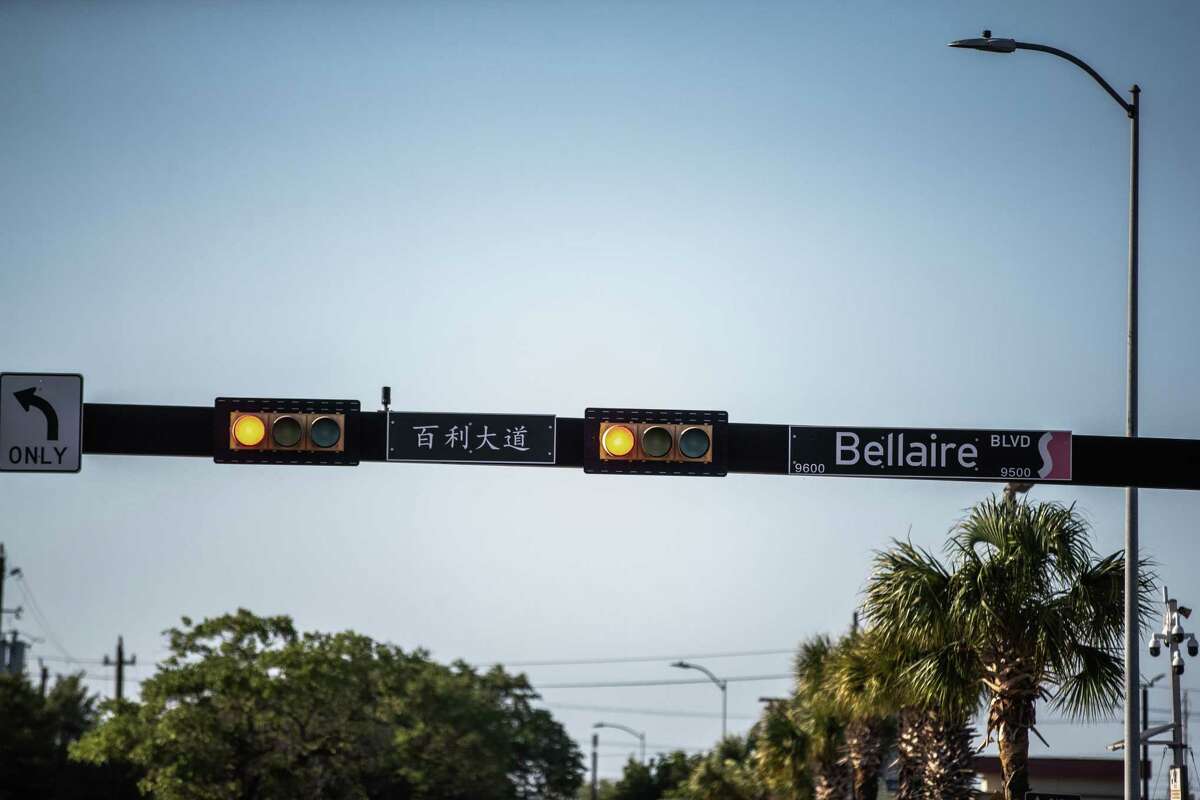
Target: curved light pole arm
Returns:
[[640, 736], [1083, 65], [689, 665]]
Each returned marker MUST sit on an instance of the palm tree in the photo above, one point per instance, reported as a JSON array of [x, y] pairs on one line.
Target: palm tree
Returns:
[[933, 674], [863, 687], [724, 774], [821, 721], [1044, 614], [1028, 607], [781, 753]]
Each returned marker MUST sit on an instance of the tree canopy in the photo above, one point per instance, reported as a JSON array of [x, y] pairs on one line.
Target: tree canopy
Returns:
[[247, 708]]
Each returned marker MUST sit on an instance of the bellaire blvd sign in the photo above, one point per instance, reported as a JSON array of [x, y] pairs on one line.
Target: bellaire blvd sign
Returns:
[[928, 453]]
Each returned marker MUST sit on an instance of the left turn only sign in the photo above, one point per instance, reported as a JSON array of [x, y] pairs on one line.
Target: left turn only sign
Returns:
[[41, 422]]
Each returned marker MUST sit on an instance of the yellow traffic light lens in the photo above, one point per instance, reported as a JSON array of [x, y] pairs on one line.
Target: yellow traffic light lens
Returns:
[[325, 432], [286, 431], [617, 440], [249, 430], [694, 442], [656, 441]]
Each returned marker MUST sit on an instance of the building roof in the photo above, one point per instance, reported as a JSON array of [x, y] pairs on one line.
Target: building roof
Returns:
[[1095, 768]]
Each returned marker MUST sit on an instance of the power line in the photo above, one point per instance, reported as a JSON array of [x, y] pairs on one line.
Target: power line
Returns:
[[564, 662], [96, 661], [651, 712], [27, 593], [672, 682]]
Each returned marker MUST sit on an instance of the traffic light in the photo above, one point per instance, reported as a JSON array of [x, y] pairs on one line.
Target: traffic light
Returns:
[[267, 431], [655, 442]]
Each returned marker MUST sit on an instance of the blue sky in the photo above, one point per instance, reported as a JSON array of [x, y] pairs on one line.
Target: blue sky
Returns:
[[800, 213]]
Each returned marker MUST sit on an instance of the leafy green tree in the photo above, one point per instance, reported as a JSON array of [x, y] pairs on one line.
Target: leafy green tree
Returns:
[[247, 708], [34, 738], [662, 776]]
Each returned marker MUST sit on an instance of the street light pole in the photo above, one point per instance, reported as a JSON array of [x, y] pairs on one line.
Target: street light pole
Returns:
[[1133, 111], [639, 734], [721, 684]]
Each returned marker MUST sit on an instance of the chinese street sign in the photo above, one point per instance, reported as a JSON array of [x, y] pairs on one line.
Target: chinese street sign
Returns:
[[471, 438], [41, 422], [930, 453]]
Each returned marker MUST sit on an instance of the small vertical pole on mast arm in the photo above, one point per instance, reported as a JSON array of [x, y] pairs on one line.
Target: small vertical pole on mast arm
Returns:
[[386, 400]]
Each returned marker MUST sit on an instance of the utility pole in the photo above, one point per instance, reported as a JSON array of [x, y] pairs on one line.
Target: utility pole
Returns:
[[45, 676], [595, 763], [120, 664], [1172, 635]]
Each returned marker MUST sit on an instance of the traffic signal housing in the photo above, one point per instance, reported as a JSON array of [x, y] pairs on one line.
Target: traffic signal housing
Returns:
[[643, 441], [279, 431]]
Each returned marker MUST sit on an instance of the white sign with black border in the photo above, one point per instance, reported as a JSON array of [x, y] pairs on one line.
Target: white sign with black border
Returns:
[[41, 422]]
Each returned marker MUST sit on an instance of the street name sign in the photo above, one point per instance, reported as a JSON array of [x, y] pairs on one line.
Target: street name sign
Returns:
[[951, 454], [41, 422], [471, 438]]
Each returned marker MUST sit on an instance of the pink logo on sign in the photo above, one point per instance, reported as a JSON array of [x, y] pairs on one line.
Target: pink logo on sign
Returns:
[[1055, 448]]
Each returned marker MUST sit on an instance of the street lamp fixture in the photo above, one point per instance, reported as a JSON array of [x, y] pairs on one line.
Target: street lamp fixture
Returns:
[[990, 44], [721, 684]]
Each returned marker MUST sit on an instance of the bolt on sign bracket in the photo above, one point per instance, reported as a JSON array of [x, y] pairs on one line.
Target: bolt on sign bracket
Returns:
[[286, 431], [640, 441]]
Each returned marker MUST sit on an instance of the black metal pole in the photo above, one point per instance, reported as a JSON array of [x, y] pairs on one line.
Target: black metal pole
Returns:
[[595, 762], [1145, 747]]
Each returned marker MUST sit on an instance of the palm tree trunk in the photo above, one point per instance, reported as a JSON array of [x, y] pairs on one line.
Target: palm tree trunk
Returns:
[[949, 772], [1011, 716], [832, 782], [864, 752], [910, 755]]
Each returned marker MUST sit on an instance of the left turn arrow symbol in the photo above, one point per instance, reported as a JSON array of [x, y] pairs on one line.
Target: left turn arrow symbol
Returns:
[[27, 398]]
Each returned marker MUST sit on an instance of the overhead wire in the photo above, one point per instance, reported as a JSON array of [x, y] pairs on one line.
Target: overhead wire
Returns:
[[27, 592], [652, 712], [662, 682], [563, 662]]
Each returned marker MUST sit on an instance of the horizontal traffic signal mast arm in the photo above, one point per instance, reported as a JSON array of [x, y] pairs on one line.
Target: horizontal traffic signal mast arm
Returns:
[[148, 430]]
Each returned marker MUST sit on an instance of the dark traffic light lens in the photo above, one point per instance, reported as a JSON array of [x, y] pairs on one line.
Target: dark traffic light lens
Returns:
[[656, 441], [693, 442], [325, 432], [286, 431]]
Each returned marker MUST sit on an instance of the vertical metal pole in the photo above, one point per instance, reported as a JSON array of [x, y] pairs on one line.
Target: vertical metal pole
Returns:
[[724, 698], [595, 760], [1132, 639], [1175, 655], [1145, 747], [3, 572], [642, 737]]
